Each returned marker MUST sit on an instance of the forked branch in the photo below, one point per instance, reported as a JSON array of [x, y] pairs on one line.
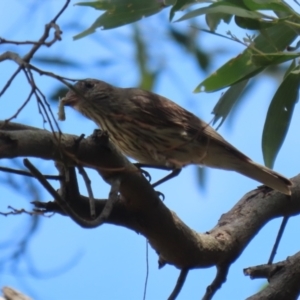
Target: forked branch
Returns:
[[136, 205]]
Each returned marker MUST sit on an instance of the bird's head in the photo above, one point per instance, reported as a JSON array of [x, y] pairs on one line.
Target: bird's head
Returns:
[[89, 96]]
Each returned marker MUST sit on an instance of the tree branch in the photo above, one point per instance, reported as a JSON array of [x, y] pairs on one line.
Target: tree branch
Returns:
[[139, 208], [283, 277]]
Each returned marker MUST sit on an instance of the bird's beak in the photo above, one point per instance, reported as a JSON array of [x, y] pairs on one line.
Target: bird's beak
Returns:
[[70, 99]]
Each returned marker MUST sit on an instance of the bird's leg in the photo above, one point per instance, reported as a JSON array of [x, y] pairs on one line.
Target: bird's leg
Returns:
[[173, 174]]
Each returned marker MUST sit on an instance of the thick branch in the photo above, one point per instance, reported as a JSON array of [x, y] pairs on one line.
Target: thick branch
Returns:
[[139, 207], [283, 277]]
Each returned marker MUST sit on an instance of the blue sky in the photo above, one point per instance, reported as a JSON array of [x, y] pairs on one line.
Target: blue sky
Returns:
[[110, 262]]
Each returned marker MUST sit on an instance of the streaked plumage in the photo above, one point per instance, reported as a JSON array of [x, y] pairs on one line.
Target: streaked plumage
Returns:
[[156, 131]]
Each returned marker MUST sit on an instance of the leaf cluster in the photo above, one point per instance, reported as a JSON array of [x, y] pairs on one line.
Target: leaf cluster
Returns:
[[276, 26]]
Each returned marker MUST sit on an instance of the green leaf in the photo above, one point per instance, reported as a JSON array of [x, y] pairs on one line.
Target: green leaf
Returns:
[[181, 38], [275, 5], [254, 24], [202, 57], [147, 77], [234, 71], [290, 69], [224, 8], [54, 60], [169, 2], [180, 5], [120, 12], [272, 40], [279, 116], [227, 101], [213, 20], [187, 40], [272, 58], [202, 178]]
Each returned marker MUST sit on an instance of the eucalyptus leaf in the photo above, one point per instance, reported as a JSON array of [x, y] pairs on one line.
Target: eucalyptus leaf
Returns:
[[224, 8], [254, 24], [213, 20], [272, 40], [188, 42], [147, 77], [279, 116], [120, 12], [227, 101], [180, 5], [202, 177], [272, 58], [275, 5]]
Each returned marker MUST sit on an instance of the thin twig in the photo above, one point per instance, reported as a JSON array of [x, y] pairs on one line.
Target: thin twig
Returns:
[[61, 202], [87, 182], [113, 197], [61, 11], [38, 94], [222, 271], [44, 37], [36, 45], [53, 75], [28, 174], [21, 107], [278, 238], [147, 270], [179, 284], [45, 102], [15, 211], [10, 80], [5, 41]]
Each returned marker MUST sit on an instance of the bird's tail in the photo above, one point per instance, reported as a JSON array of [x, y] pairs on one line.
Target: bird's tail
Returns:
[[265, 175]]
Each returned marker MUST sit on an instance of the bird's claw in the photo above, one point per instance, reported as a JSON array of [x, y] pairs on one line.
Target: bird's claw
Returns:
[[160, 195], [145, 173]]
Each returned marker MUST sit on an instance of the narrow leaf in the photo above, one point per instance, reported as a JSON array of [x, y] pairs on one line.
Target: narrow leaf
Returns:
[[254, 24], [272, 58], [213, 20], [274, 39], [279, 116], [181, 5], [202, 177], [227, 101], [147, 76], [276, 5], [224, 8], [120, 12]]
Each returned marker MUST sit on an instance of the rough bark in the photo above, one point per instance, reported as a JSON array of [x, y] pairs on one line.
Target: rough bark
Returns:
[[140, 209]]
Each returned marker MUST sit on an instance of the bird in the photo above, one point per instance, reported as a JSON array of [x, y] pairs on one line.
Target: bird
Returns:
[[157, 132]]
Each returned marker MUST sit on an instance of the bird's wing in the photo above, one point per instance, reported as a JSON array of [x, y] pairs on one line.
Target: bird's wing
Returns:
[[160, 111]]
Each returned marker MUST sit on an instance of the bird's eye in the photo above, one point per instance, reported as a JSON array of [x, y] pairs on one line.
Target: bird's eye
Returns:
[[88, 84]]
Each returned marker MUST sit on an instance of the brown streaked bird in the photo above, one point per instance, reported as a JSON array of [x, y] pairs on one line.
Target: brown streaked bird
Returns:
[[156, 131]]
